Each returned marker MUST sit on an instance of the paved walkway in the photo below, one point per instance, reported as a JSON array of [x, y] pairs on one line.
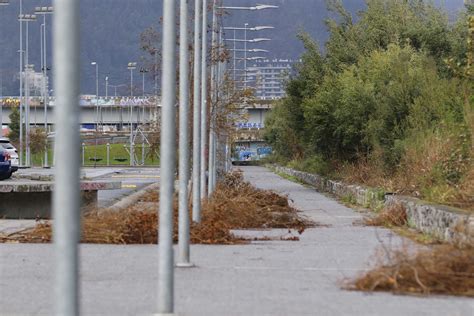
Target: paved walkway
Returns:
[[264, 278]]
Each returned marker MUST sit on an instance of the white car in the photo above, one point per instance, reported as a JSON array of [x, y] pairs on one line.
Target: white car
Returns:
[[11, 150]]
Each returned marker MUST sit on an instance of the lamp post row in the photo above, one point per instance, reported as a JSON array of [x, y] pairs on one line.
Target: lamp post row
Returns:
[[66, 212]]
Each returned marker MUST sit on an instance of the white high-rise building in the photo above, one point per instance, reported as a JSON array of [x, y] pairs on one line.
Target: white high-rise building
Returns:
[[269, 77]]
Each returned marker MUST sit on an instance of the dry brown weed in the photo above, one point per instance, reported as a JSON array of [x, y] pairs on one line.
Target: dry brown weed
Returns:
[[441, 269], [235, 204]]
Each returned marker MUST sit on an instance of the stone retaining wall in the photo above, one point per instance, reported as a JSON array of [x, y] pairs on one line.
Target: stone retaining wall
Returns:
[[440, 221]]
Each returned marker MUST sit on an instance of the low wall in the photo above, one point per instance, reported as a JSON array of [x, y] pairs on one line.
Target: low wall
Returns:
[[443, 222]]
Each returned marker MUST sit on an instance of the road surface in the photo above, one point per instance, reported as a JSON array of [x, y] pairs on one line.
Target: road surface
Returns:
[[263, 278]]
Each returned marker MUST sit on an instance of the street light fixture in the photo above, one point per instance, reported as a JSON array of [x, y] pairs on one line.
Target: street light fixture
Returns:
[[254, 50], [254, 40], [252, 58], [257, 7], [255, 28]]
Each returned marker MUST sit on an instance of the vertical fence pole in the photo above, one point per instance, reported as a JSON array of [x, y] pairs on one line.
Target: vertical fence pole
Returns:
[[83, 153], [197, 114], [168, 159], [183, 231], [108, 154], [66, 198], [204, 100]]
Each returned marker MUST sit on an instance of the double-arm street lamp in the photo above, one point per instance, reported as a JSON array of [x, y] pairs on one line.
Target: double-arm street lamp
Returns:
[[254, 8], [245, 40]]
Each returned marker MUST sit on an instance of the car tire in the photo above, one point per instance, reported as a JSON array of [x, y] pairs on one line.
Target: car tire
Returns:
[[6, 176]]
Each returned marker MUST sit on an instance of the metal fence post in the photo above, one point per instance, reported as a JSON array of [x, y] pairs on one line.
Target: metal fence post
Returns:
[[66, 198], [183, 245], [197, 114], [83, 153], [108, 154], [204, 100], [168, 159]]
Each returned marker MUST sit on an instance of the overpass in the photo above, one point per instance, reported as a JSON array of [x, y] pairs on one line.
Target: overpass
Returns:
[[111, 111]]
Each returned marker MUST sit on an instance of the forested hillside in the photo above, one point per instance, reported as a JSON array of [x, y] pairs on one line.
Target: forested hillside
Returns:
[[111, 33], [388, 104]]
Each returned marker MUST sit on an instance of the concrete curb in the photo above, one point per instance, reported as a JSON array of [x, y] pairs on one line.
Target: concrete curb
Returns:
[[132, 198], [443, 222]]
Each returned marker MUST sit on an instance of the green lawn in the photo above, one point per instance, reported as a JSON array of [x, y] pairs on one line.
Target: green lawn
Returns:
[[97, 156]]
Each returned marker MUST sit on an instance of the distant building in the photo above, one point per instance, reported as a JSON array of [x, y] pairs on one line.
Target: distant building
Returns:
[[269, 77]]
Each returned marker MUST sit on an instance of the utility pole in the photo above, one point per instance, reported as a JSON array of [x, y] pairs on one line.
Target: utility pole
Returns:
[[66, 196], [214, 54], [168, 161], [183, 229], [204, 100], [197, 114]]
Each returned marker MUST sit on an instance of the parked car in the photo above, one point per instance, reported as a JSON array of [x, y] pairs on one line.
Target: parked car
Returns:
[[5, 164], [15, 162]]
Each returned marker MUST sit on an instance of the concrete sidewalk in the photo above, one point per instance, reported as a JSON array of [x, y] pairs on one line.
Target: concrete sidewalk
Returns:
[[263, 278]]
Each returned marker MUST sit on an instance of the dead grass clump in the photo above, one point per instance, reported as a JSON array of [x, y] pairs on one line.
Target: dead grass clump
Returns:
[[443, 269], [242, 206], [235, 204], [392, 216]]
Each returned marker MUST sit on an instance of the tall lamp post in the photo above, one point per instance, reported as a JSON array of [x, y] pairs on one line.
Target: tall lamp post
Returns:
[[203, 100], [21, 84], [214, 86], [44, 11], [27, 18], [96, 65], [197, 114], [120, 107], [245, 28], [131, 66], [2, 4], [168, 162], [143, 71]]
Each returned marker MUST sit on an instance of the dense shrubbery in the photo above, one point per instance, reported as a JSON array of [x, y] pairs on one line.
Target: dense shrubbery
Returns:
[[387, 104]]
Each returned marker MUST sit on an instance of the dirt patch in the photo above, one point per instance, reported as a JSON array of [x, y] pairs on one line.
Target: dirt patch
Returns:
[[235, 204], [442, 269]]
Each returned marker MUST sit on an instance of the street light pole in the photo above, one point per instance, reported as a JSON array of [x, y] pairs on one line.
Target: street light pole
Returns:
[[96, 95], [204, 100], [213, 107], [21, 84], [45, 11], [245, 56], [27, 18], [197, 115], [131, 66], [183, 229], [2, 4], [66, 196], [143, 71], [168, 160]]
